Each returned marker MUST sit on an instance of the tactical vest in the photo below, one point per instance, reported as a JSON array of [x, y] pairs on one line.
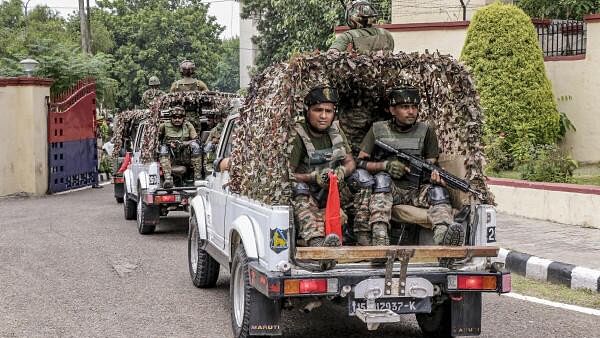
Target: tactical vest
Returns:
[[173, 133], [370, 43], [323, 158], [412, 141], [188, 84]]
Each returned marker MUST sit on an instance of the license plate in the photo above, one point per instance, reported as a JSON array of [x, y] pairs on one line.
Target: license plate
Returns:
[[398, 305]]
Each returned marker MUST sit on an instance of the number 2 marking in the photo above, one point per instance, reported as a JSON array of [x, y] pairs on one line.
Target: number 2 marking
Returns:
[[491, 234]]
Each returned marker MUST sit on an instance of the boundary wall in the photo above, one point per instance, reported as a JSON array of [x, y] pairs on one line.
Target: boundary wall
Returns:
[[24, 135]]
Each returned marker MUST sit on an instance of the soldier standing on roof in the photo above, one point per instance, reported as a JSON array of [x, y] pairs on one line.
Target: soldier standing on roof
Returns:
[[175, 137], [153, 92], [391, 186], [362, 36], [187, 83]]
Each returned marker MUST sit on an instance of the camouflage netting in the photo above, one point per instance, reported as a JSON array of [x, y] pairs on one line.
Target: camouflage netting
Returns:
[[119, 128], [214, 105], [449, 103]]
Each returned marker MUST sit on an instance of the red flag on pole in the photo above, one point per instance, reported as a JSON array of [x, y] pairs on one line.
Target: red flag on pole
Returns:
[[125, 164], [333, 219]]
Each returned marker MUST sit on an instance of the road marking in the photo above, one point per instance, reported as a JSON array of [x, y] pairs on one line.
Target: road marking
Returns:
[[554, 304], [82, 188]]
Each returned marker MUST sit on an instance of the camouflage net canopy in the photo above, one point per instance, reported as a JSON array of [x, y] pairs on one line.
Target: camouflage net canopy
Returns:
[[213, 105], [120, 128], [265, 133]]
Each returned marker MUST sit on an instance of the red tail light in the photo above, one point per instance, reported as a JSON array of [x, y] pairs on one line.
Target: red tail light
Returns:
[[165, 199], [466, 282], [313, 286], [118, 180]]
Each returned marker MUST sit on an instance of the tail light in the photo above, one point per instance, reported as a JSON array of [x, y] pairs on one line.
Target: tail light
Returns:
[[118, 179], [465, 282], [310, 286], [165, 199]]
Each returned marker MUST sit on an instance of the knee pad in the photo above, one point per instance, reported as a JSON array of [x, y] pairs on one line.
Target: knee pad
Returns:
[[196, 150], [164, 150], [383, 183], [438, 195], [300, 189], [361, 179]]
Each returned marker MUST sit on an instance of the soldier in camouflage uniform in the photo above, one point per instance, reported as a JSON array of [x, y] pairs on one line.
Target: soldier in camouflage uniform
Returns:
[[187, 83], [391, 185], [153, 92], [319, 147], [176, 137]]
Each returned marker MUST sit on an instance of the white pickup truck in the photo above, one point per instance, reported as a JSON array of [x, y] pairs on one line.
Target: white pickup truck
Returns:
[[255, 242]]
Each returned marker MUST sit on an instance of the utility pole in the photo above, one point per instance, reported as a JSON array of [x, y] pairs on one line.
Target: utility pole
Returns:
[[83, 25]]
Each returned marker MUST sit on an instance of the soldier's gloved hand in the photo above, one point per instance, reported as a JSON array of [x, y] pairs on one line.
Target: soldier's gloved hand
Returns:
[[395, 168], [340, 172], [322, 178]]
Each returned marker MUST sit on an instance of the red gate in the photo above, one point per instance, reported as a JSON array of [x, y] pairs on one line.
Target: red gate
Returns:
[[72, 154]]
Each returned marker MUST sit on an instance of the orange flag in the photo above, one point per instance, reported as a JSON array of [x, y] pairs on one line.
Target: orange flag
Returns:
[[125, 164], [333, 219]]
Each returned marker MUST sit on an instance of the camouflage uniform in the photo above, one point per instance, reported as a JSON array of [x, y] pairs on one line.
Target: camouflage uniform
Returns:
[[419, 140], [308, 154], [187, 84], [150, 95], [171, 133], [211, 144]]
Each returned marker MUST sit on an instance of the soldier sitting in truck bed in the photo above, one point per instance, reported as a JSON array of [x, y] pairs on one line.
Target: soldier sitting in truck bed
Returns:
[[176, 137], [392, 187], [319, 147]]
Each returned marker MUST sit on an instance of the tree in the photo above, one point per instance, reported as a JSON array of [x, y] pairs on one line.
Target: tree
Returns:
[[228, 69], [503, 52], [559, 9], [152, 37], [286, 27]]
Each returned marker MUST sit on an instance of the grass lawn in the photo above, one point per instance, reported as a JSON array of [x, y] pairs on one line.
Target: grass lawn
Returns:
[[556, 293], [579, 179]]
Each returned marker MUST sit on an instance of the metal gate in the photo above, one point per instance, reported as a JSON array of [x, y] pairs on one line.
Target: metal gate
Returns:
[[72, 153]]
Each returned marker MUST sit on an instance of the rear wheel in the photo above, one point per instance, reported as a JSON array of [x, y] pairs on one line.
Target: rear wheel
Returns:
[[119, 199], [129, 208], [438, 322], [204, 269], [147, 217]]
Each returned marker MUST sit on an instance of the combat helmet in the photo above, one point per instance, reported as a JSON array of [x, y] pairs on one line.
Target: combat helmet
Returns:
[[153, 81], [177, 111], [360, 14], [187, 67], [321, 94], [405, 94]]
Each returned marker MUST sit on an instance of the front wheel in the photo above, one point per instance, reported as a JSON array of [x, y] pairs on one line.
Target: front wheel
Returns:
[[437, 323], [147, 217], [204, 269]]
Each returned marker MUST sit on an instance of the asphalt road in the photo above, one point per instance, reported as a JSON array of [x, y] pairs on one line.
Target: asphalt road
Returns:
[[71, 266]]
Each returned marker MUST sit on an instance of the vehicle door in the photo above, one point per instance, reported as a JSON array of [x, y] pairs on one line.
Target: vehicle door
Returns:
[[220, 188], [136, 162]]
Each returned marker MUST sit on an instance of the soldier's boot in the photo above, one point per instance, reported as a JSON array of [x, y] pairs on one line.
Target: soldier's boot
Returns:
[[197, 164], [363, 238], [453, 234], [165, 164], [380, 234], [330, 240]]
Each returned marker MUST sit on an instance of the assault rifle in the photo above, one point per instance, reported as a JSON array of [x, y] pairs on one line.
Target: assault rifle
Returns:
[[420, 169]]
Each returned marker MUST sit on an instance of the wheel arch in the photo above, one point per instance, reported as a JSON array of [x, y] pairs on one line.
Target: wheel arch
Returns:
[[242, 231], [197, 209]]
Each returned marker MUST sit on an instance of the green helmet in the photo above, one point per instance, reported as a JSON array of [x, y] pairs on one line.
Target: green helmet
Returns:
[[404, 95], [187, 67], [360, 14], [177, 111], [153, 81], [321, 95]]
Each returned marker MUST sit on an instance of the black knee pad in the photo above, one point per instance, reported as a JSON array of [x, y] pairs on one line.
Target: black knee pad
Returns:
[[438, 195], [383, 183], [300, 189], [361, 179], [196, 150]]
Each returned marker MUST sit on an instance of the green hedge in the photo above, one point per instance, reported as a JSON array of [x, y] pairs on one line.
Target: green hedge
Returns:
[[503, 53]]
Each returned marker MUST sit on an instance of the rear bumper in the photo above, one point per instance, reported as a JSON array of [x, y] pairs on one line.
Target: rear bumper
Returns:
[[272, 284]]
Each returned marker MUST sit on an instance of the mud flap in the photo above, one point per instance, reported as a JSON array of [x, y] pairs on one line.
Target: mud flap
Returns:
[[264, 315], [151, 214], [466, 314]]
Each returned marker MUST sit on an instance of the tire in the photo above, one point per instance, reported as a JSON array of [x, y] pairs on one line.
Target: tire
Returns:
[[146, 217], [204, 270], [437, 323], [119, 199], [129, 208], [240, 294]]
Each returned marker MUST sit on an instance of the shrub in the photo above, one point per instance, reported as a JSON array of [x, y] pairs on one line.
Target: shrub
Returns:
[[548, 164], [498, 154], [503, 53]]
